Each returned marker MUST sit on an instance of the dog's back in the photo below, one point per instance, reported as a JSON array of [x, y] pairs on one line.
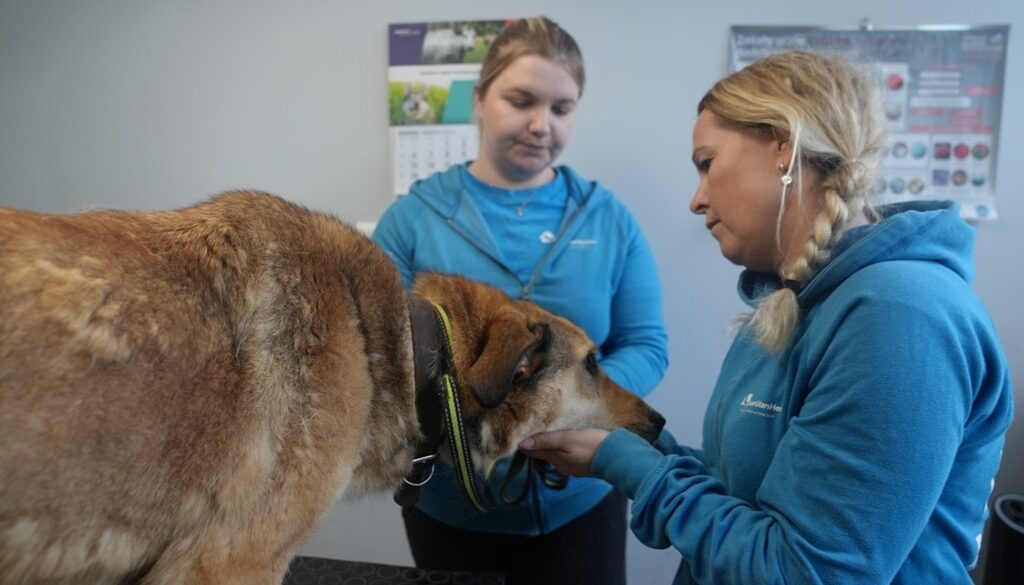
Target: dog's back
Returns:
[[174, 383]]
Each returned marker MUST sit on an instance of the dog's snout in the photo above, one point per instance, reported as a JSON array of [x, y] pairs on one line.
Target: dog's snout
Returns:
[[650, 427], [632, 413], [658, 423]]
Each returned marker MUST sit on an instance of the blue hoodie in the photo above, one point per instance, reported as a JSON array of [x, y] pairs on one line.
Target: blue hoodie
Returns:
[[866, 451], [599, 273]]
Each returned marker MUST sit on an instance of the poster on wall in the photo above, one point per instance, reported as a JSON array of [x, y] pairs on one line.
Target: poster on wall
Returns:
[[432, 70], [942, 92]]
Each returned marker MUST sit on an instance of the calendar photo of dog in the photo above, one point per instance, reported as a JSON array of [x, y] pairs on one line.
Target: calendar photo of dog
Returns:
[[416, 107], [187, 393]]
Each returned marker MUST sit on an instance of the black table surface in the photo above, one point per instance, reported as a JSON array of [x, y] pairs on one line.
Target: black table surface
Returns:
[[318, 571]]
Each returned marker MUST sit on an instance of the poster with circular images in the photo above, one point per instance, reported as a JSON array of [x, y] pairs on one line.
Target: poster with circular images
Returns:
[[432, 70], [941, 89]]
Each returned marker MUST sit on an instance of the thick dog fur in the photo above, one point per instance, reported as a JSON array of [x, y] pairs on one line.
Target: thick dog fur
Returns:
[[185, 394]]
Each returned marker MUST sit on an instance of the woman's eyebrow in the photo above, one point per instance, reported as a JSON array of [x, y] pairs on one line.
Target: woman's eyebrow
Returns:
[[695, 156]]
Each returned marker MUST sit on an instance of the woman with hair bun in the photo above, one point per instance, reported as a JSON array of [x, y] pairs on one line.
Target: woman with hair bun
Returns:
[[858, 419]]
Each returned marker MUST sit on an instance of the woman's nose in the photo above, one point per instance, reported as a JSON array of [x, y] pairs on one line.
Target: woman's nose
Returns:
[[699, 203], [540, 121]]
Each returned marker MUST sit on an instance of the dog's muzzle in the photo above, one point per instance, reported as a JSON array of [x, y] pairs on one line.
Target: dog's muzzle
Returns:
[[650, 427]]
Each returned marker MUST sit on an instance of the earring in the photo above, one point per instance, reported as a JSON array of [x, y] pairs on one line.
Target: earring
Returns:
[[786, 178]]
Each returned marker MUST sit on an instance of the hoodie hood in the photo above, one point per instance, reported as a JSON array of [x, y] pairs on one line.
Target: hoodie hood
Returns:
[[924, 231], [446, 194]]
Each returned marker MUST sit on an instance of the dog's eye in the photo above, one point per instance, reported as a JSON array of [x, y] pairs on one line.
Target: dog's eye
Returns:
[[518, 378], [590, 363]]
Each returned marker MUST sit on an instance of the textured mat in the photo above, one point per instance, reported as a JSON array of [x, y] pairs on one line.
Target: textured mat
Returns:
[[317, 571]]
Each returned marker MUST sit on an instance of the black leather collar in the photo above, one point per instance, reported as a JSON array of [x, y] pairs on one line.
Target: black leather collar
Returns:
[[429, 410]]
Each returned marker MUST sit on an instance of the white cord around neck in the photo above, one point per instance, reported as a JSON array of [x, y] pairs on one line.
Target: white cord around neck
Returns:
[[787, 178]]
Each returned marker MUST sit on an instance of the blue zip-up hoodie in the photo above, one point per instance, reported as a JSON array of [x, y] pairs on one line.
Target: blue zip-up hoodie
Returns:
[[599, 273], [866, 451]]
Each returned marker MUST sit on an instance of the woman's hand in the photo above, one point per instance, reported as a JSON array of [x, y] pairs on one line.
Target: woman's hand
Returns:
[[571, 452]]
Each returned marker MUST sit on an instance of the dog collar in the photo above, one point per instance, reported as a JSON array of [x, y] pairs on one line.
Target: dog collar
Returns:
[[423, 322], [438, 407]]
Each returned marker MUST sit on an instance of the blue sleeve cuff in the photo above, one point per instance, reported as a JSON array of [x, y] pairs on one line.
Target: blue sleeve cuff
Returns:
[[666, 443], [624, 459]]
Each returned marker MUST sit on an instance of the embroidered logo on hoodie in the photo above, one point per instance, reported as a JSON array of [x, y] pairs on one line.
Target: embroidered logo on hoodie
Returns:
[[751, 405]]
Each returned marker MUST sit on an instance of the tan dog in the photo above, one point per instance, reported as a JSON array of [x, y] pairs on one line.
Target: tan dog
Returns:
[[185, 394]]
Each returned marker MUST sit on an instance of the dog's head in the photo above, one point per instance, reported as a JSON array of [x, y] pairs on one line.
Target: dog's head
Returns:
[[522, 370]]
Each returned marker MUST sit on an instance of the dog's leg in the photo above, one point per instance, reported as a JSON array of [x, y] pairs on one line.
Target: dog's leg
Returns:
[[249, 549], [222, 563]]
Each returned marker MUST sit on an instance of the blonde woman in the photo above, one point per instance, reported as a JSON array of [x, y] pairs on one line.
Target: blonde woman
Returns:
[[858, 418], [539, 231]]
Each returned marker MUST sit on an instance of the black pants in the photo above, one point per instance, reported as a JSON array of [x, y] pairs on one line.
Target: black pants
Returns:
[[591, 549]]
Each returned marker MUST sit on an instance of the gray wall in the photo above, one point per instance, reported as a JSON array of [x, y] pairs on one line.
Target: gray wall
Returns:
[[143, 104]]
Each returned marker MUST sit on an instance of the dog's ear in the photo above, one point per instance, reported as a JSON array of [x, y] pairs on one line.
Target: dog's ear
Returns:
[[508, 354]]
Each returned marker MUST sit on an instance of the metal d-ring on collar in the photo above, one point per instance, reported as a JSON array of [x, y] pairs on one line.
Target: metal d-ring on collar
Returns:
[[421, 461]]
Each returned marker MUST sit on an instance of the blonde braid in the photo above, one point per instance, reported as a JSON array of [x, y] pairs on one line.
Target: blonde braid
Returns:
[[775, 319], [818, 248], [778, 313]]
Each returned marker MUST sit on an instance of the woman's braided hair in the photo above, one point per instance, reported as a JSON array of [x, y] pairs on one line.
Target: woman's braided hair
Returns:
[[829, 109]]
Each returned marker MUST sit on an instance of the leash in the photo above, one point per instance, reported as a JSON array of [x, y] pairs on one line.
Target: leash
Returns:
[[457, 437], [520, 464]]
